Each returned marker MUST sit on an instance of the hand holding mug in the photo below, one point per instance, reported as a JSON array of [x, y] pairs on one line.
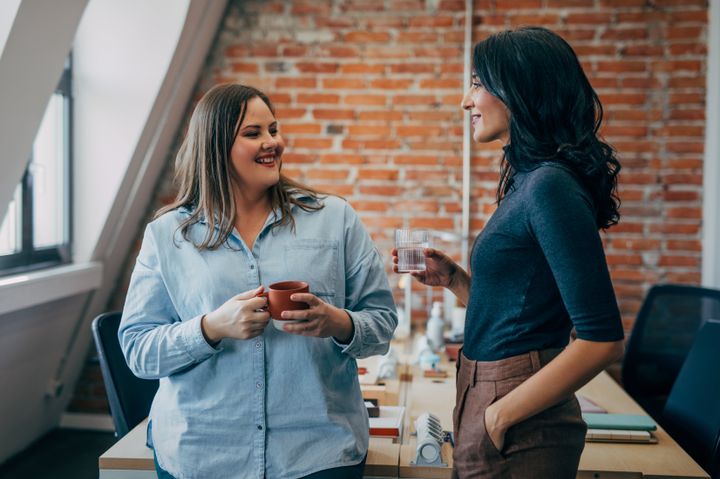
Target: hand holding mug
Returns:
[[321, 319], [240, 317]]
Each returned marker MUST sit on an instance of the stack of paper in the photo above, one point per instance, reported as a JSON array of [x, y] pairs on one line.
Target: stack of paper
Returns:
[[619, 428], [389, 422], [619, 435]]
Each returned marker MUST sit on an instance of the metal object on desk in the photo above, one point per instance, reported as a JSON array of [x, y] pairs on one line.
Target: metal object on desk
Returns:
[[430, 438]]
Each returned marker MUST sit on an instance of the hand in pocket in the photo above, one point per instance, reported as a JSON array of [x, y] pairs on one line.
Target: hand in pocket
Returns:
[[494, 431]]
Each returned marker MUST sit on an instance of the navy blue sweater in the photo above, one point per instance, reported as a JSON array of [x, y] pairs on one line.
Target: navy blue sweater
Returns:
[[538, 269]]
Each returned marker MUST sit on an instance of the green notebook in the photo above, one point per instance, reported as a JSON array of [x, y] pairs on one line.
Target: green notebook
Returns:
[[630, 422]]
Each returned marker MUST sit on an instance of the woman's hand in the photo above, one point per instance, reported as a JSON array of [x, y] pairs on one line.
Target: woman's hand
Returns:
[[241, 317], [495, 431], [440, 268], [321, 319]]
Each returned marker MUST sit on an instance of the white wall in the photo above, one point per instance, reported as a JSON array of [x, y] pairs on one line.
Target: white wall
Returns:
[[8, 10], [711, 173], [32, 342], [117, 76], [136, 72], [26, 81]]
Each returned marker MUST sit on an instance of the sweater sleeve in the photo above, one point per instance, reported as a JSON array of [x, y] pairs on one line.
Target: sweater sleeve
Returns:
[[560, 215]]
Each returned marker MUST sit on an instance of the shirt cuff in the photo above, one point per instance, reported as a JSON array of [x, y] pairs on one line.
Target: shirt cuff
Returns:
[[195, 344], [355, 344]]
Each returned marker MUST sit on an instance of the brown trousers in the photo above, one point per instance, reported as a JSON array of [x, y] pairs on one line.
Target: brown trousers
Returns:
[[547, 445]]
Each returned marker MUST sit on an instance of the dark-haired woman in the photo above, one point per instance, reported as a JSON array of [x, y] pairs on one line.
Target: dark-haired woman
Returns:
[[538, 267], [239, 399]]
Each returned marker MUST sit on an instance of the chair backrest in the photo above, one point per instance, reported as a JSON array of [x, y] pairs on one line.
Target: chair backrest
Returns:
[[664, 330], [692, 411], [129, 396]]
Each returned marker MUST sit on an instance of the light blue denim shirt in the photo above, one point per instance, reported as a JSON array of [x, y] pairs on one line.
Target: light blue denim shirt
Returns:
[[278, 405]]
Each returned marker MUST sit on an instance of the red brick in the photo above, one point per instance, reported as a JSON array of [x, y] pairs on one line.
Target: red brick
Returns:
[[295, 82], [365, 100], [362, 68], [413, 68], [380, 115], [588, 18], [315, 98], [344, 158], [381, 190], [535, 19], [685, 33], [339, 51], [366, 37], [325, 174], [291, 113], [624, 34], [294, 128], [375, 174], [376, 130], [313, 67], [360, 205], [344, 83], [685, 213], [391, 83], [680, 260], [244, 67], [386, 144], [433, 222], [685, 245], [312, 142], [433, 21], [517, 4], [323, 114]]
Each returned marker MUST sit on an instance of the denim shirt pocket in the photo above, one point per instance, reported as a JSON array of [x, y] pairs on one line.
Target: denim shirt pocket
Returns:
[[314, 261]]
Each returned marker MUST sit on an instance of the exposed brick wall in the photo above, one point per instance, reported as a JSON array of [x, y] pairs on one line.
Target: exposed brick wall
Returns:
[[368, 96]]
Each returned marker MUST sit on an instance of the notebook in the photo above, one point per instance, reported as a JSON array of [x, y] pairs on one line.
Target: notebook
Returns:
[[627, 422], [618, 435], [587, 405]]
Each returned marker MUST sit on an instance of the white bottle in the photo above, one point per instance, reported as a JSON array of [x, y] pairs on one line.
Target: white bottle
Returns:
[[435, 327]]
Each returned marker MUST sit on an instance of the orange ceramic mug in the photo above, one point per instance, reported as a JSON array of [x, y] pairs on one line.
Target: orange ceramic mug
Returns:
[[278, 296]]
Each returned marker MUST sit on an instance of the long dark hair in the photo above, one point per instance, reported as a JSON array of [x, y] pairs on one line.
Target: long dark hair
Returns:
[[554, 112], [204, 172]]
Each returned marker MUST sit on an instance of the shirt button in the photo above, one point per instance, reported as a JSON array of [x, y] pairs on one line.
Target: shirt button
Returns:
[[258, 344], [258, 385], [259, 427], [252, 266]]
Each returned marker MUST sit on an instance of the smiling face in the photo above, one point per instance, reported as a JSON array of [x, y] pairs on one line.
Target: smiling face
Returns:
[[257, 151], [490, 116]]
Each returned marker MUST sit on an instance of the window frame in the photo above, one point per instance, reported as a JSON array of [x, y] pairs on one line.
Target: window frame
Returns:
[[30, 258]]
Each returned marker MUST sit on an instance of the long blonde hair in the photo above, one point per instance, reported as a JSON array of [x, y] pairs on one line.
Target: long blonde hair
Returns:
[[204, 173]]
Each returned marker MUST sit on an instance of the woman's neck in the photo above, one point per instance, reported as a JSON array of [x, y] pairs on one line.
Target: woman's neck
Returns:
[[247, 204]]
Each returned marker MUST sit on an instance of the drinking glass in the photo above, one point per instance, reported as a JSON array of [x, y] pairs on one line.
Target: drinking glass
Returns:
[[410, 244]]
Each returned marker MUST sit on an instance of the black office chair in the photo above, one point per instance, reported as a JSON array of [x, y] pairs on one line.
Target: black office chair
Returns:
[[692, 411], [129, 396], [664, 330]]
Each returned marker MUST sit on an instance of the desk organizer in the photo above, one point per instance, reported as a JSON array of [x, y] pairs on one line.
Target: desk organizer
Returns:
[[429, 441]]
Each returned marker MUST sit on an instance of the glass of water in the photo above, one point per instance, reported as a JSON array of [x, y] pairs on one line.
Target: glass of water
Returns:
[[410, 245]]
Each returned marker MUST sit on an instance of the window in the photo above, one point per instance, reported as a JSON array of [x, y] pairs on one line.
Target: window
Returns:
[[35, 231]]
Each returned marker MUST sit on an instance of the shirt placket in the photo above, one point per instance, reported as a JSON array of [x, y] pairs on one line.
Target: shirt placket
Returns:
[[259, 378]]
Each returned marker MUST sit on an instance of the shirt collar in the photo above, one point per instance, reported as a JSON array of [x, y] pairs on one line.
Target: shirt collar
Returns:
[[298, 195]]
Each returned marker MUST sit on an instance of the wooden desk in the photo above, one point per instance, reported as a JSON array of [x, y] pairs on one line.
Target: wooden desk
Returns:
[[129, 458], [662, 460]]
